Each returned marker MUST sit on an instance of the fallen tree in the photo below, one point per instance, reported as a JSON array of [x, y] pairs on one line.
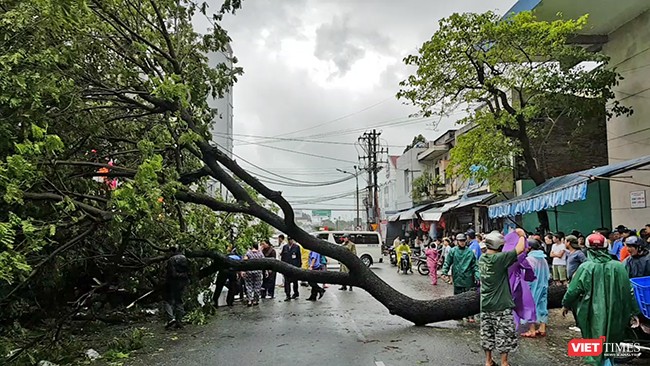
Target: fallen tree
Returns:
[[420, 312], [126, 98]]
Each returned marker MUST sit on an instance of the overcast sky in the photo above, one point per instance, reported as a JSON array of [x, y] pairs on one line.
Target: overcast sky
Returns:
[[334, 64]]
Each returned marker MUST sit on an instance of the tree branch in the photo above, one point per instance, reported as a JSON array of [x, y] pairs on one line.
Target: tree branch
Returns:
[[92, 164], [58, 250], [205, 200], [104, 215], [192, 177], [170, 47]]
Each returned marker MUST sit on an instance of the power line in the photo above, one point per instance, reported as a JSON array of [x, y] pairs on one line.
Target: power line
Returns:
[[297, 182], [388, 124], [299, 152], [339, 118], [323, 199], [282, 139]]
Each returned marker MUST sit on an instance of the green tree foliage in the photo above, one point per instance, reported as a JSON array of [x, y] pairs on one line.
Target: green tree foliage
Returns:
[[419, 139], [93, 90], [516, 78], [423, 187]]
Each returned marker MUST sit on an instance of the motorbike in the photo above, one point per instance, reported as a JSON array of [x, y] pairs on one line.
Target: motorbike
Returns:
[[421, 263], [393, 256], [405, 263]]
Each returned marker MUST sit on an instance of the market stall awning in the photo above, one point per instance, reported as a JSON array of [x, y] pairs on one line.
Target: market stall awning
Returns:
[[469, 201], [434, 214], [394, 217], [412, 213], [561, 190]]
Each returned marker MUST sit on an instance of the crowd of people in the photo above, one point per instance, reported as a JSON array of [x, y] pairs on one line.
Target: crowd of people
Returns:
[[251, 286], [512, 273]]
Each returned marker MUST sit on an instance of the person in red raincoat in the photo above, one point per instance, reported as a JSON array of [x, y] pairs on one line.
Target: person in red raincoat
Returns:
[[432, 262]]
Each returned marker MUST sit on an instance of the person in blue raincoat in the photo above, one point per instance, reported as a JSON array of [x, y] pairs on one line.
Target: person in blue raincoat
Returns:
[[539, 288]]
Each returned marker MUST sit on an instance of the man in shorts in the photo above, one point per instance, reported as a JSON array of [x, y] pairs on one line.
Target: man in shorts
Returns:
[[497, 321], [559, 254]]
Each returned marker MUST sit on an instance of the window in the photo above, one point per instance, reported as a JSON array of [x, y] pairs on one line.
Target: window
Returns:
[[407, 181], [386, 196], [366, 239], [323, 236]]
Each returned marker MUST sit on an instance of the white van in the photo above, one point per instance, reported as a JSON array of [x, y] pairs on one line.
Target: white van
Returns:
[[368, 244]]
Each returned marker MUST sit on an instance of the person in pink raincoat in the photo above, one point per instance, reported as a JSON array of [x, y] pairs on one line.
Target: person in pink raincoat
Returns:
[[432, 262]]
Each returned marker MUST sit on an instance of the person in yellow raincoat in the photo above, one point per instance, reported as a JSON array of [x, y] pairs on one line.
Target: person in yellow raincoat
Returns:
[[403, 248], [304, 257]]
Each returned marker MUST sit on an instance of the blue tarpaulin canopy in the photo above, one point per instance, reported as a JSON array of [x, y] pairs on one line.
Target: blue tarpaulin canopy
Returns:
[[561, 190]]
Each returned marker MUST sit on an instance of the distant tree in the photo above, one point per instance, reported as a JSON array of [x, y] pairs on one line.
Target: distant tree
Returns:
[[423, 187], [416, 140], [516, 78]]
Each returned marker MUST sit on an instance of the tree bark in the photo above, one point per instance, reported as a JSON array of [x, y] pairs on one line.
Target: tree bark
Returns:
[[420, 312], [533, 171]]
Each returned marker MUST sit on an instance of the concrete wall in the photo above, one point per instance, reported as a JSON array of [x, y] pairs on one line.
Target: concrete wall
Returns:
[[408, 168], [629, 137]]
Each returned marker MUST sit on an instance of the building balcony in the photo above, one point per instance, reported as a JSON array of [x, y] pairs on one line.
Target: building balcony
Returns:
[[433, 153]]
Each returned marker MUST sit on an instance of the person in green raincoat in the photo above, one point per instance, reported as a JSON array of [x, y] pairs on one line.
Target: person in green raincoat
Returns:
[[600, 296], [464, 267]]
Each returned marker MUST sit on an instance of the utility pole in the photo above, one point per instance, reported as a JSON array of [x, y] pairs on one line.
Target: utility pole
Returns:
[[357, 222], [370, 143]]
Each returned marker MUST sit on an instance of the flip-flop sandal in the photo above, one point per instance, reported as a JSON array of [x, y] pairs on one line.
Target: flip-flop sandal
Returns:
[[540, 334], [528, 335]]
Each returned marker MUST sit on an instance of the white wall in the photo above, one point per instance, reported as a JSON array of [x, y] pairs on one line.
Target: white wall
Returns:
[[387, 180], [223, 119], [408, 169], [222, 127], [629, 137]]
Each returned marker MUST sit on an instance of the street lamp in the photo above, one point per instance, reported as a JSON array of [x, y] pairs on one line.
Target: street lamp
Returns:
[[356, 177]]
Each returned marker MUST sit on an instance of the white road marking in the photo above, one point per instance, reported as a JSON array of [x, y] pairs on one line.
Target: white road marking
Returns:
[[379, 363]]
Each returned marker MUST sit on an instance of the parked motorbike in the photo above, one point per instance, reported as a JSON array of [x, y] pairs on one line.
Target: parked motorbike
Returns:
[[421, 263], [393, 256], [405, 263]]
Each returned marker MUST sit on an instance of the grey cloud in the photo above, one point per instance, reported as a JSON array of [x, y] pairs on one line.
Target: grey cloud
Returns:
[[344, 44], [284, 100]]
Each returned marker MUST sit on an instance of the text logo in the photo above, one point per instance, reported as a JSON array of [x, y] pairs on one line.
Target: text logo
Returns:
[[586, 347], [596, 347]]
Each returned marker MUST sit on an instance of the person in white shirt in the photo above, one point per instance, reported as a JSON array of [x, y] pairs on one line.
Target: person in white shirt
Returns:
[[559, 254]]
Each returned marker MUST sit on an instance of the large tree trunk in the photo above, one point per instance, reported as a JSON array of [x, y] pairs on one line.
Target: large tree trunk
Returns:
[[533, 171], [420, 312]]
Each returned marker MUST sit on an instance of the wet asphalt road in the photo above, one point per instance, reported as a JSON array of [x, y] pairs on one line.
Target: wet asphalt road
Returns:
[[344, 328]]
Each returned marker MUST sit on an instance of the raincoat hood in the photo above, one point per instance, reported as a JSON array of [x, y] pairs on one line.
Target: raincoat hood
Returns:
[[598, 255], [537, 254]]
